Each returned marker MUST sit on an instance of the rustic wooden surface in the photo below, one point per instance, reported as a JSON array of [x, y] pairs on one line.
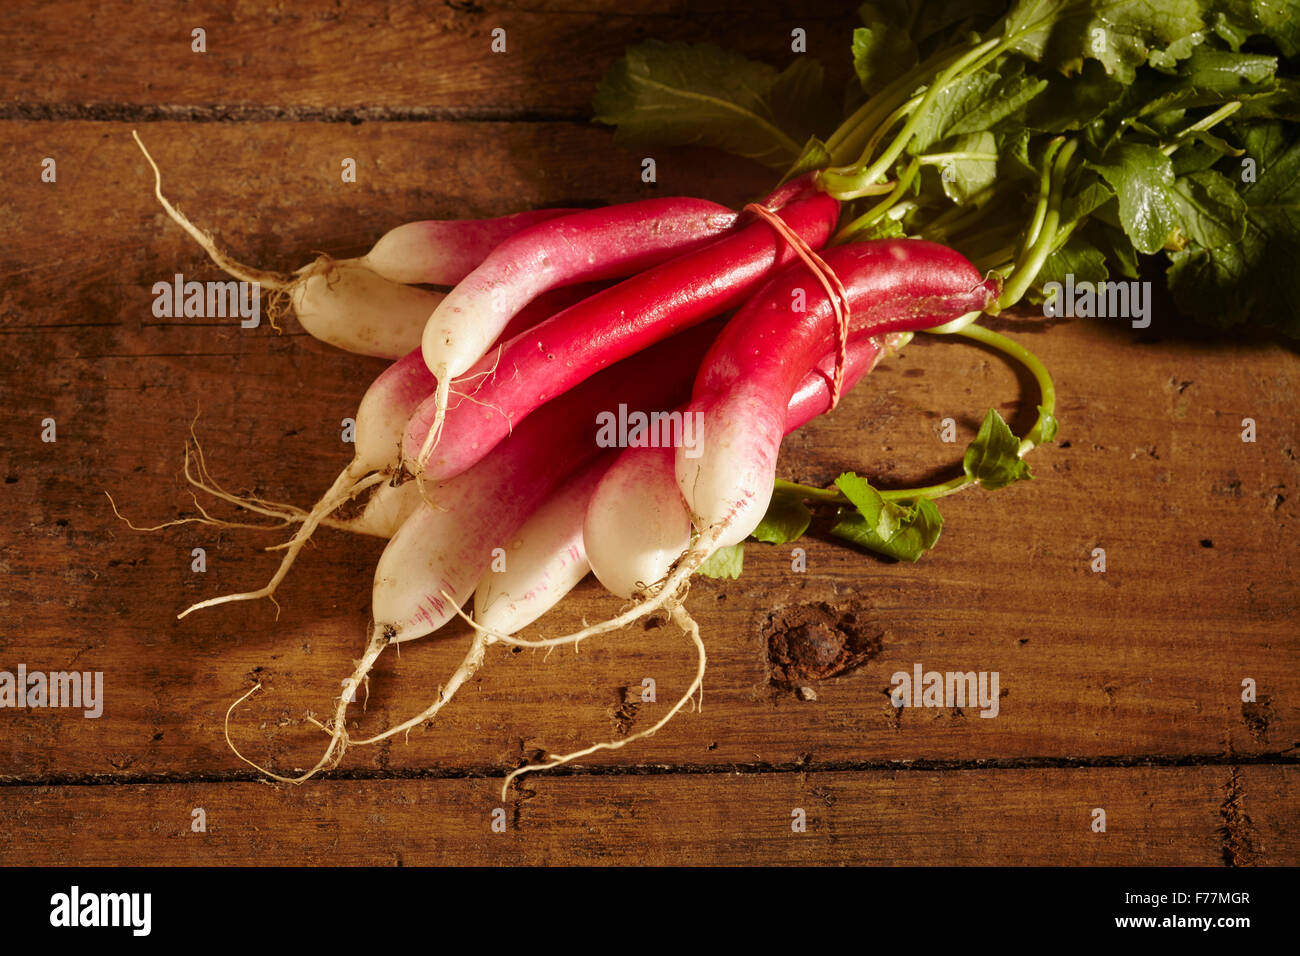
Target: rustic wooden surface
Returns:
[[1121, 690]]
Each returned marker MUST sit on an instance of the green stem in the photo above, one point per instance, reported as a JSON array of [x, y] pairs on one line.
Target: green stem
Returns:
[[941, 159], [847, 141], [878, 211], [959, 218], [1042, 246], [825, 495], [1044, 193], [1047, 410], [1218, 116], [873, 141], [1046, 388], [846, 186]]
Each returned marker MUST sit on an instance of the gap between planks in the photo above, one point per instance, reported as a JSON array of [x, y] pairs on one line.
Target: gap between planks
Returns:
[[757, 768]]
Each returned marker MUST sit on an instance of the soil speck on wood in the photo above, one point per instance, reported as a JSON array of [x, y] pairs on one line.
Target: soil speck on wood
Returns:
[[811, 642]]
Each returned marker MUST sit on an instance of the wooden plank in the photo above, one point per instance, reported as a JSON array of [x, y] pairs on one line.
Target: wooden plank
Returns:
[[1165, 816], [343, 58], [1147, 659]]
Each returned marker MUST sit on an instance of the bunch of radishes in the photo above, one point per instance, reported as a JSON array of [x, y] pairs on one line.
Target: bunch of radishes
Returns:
[[479, 445]]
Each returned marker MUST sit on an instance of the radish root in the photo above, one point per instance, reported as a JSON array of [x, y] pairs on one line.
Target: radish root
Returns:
[[671, 590], [473, 660], [336, 726], [281, 285], [439, 416], [345, 487], [467, 669], [692, 630], [285, 513]]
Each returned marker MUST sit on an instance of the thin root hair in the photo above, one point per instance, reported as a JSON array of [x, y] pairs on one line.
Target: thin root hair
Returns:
[[692, 630]]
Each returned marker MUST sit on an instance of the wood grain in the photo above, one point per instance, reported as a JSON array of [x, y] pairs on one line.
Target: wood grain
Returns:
[[349, 58], [1121, 689], [1139, 661], [1024, 817]]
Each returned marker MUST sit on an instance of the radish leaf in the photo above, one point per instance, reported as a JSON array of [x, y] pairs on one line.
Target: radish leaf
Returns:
[[724, 563], [682, 94], [787, 518], [917, 532], [993, 458]]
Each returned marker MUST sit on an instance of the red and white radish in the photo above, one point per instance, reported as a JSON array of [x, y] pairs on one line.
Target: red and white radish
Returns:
[[745, 383], [360, 305], [533, 368], [637, 524], [604, 243], [380, 422], [344, 304], [744, 386], [436, 558], [445, 251], [546, 559], [370, 304]]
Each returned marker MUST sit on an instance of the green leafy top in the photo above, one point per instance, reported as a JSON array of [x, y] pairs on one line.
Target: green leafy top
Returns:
[[1179, 116], [678, 94]]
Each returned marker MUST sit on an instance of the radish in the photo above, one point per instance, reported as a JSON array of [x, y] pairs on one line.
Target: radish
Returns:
[[603, 243], [379, 424], [745, 384], [362, 305], [551, 553], [533, 368], [358, 304], [445, 251], [346, 305], [439, 553], [637, 524], [545, 561]]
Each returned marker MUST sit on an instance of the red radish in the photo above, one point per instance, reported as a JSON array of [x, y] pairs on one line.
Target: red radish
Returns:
[[444, 549], [556, 355], [603, 243], [379, 423], [813, 396], [445, 251], [744, 386], [637, 524], [550, 553], [545, 560], [435, 559]]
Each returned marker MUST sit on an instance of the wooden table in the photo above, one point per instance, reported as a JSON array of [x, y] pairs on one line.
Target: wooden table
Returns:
[[1120, 690]]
